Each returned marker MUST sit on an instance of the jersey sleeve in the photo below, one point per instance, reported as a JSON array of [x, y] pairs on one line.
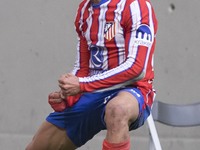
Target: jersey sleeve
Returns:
[[139, 33], [81, 65]]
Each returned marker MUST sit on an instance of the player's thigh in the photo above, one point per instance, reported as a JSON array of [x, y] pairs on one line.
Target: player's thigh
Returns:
[[127, 103], [50, 137]]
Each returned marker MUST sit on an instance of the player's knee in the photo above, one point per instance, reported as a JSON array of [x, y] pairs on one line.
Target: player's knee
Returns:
[[116, 116]]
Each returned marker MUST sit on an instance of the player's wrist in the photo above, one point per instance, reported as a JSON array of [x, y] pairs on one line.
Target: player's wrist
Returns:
[[81, 85]]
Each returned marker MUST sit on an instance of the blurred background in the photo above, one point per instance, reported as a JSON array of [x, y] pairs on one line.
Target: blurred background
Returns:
[[38, 44]]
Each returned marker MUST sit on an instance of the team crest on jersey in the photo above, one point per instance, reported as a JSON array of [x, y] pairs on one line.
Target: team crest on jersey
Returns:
[[110, 30], [144, 36]]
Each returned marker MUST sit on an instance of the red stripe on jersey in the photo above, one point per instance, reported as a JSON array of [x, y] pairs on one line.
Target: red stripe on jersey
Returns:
[[95, 24], [110, 14], [110, 17], [140, 59], [144, 12], [84, 57]]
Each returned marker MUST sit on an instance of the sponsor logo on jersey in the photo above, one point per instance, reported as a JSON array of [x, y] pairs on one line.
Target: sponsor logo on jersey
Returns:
[[96, 57], [110, 30], [144, 36]]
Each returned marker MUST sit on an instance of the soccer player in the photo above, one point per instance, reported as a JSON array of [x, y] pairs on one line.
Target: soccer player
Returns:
[[111, 85]]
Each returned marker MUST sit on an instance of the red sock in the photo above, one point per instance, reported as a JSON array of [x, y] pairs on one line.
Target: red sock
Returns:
[[116, 146]]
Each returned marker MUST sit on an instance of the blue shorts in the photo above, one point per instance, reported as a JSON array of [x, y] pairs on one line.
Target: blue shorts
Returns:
[[86, 118]]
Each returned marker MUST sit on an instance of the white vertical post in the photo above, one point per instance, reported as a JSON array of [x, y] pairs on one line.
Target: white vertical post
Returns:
[[154, 139]]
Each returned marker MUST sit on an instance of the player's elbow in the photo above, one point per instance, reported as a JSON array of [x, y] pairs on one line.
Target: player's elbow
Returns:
[[141, 75]]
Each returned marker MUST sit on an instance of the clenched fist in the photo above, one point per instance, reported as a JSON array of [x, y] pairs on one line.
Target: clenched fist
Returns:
[[69, 85], [56, 101]]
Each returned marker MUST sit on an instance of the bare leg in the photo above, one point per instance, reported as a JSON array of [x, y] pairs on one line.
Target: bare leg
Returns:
[[121, 111], [50, 137]]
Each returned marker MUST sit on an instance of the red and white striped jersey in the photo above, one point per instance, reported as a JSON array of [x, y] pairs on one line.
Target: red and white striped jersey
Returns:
[[116, 41]]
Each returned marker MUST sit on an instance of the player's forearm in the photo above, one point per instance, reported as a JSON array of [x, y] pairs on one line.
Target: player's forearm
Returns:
[[126, 73], [103, 86]]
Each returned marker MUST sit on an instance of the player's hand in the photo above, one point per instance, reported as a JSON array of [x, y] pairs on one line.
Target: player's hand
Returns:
[[56, 101], [69, 85]]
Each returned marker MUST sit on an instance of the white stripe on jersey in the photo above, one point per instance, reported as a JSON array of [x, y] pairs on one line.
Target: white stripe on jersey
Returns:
[[103, 9], [89, 23], [135, 8], [119, 37], [105, 65], [77, 64]]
